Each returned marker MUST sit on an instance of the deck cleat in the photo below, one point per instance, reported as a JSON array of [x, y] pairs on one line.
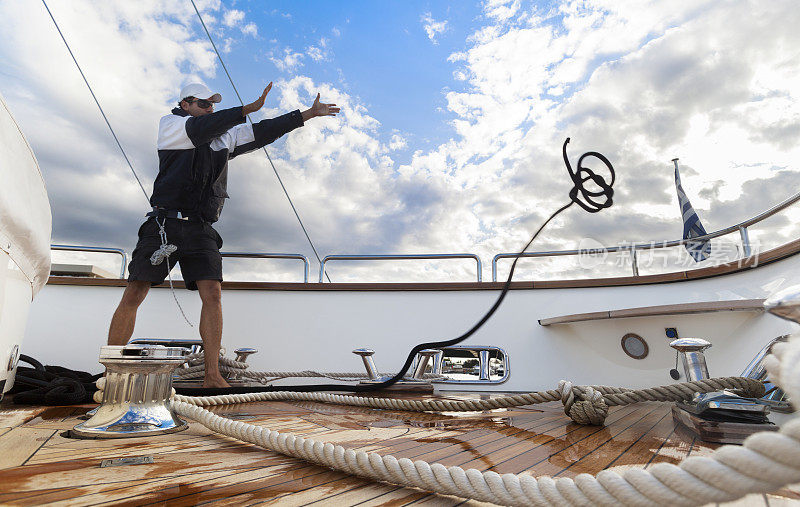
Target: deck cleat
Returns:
[[136, 397], [694, 361], [416, 384], [720, 417]]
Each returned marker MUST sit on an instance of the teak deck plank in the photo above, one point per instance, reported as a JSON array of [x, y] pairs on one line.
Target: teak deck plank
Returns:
[[605, 446], [19, 444], [646, 445], [197, 466]]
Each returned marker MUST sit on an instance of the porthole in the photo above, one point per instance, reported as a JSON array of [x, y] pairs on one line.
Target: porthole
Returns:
[[635, 346]]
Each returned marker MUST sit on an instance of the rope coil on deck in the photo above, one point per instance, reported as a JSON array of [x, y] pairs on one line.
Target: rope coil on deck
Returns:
[[766, 461], [583, 404]]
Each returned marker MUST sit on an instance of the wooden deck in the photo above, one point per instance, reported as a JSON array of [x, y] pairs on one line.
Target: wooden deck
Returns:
[[39, 465]]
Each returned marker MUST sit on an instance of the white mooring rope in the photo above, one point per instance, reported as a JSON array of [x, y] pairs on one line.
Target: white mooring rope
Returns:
[[239, 370], [583, 404], [765, 462]]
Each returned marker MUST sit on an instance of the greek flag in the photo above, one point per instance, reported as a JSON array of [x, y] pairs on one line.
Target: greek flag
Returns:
[[692, 228]]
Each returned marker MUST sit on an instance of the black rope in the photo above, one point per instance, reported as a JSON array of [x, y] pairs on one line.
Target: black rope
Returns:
[[51, 385], [578, 194], [97, 102], [296, 214]]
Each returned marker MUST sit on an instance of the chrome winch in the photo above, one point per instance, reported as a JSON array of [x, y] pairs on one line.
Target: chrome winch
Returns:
[[137, 392]]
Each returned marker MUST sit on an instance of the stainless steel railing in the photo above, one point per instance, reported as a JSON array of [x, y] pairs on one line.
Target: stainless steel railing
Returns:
[[741, 227], [75, 248], [396, 257], [254, 255], [632, 249]]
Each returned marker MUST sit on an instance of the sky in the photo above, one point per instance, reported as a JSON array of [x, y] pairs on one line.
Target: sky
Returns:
[[453, 119]]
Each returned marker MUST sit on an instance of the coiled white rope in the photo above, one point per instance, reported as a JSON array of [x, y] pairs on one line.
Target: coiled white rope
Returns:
[[765, 462], [583, 404]]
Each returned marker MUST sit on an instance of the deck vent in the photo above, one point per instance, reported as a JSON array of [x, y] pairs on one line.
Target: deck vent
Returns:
[[136, 394]]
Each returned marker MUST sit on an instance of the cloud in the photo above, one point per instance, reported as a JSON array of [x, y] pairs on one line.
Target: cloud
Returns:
[[289, 61], [320, 52], [397, 142], [641, 82], [234, 18], [432, 27]]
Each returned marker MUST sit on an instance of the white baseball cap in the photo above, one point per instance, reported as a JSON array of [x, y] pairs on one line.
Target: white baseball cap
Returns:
[[200, 91]]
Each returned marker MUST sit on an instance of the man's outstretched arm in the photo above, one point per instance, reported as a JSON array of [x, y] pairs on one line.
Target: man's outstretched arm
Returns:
[[245, 138]]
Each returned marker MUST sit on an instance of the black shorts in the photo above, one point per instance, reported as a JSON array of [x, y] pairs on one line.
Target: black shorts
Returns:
[[198, 252]]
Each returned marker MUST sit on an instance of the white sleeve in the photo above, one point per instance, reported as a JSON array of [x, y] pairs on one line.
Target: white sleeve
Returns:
[[237, 136], [172, 133]]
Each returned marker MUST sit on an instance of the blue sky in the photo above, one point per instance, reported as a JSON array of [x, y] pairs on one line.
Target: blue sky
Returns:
[[377, 51], [453, 118]]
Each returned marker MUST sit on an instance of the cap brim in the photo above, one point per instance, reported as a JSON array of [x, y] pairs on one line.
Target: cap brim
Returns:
[[215, 98]]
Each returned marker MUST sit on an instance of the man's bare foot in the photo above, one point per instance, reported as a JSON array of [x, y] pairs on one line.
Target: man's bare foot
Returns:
[[215, 382]]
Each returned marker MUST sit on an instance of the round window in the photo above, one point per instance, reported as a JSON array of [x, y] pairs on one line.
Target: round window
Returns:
[[635, 346]]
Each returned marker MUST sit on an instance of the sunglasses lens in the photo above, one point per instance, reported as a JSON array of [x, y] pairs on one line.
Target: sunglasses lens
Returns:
[[204, 104]]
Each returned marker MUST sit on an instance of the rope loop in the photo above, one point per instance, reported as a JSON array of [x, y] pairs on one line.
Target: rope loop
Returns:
[[588, 199]]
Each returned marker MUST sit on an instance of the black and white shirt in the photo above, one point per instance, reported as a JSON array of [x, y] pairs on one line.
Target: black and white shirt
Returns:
[[193, 153]]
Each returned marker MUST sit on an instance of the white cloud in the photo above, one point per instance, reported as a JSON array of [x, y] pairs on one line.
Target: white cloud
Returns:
[[233, 17], [397, 142], [709, 82], [289, 61], [501, 10], [432, 27], [320, 51]]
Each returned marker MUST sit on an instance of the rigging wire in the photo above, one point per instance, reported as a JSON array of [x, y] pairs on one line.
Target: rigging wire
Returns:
[[120, 148], [286, 192], [97, 102]]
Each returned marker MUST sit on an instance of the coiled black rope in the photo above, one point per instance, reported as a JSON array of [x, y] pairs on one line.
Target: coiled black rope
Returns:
[[591, 200], [582, 175], [51, 385]]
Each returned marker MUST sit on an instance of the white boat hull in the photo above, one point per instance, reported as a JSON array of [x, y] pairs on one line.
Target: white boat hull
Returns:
[[15, 301], [317, 330]]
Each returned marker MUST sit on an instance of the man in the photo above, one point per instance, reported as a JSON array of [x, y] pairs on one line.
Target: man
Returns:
[[194, 145]]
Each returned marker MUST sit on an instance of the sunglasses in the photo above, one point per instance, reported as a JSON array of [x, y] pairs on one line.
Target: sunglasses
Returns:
[[201, 103]]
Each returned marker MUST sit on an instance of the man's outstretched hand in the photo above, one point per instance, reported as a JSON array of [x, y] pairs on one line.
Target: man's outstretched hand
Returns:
[[319, 109], [259, 102]]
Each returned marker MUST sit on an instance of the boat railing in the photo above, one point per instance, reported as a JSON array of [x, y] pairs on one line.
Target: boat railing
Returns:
[[100, 249], [328, 258], [631, 249], [259, 255], [741, 227]]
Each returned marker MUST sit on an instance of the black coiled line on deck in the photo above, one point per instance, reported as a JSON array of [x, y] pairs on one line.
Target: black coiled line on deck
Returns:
[[592, 200]]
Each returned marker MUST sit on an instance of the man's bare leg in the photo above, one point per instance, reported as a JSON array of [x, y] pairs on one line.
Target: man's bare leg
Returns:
[[211, 330], [124, 319]]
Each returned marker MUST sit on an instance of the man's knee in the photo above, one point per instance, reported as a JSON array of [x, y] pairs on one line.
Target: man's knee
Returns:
[[135, 293], [210, 291]]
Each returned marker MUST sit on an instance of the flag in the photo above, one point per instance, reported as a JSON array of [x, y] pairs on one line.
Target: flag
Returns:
[[692, 228]]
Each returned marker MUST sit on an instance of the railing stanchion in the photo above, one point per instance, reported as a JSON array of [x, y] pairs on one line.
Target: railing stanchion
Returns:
[[745, 241], [634, 262]]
